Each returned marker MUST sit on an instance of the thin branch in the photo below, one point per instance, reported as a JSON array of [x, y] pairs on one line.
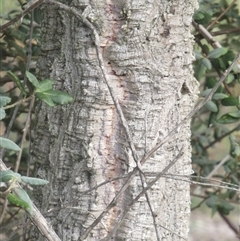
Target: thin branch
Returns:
[[229, 223], [25, 131], [150, 206], [199, 204], [227, 31], [106, 182], [18, 102], [206, 34], [31, 5], [221, 15], [177, 128], [40, 222], [197, 188], [221, 137]]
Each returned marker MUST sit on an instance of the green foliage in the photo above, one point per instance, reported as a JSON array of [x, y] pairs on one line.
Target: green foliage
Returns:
[[219, 122], [4, 100], [8, 144], [44, 91], [8, 175], [217, 204], [15, 194]]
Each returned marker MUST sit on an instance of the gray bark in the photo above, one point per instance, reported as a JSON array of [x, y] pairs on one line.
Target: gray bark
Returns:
[[147, 51]]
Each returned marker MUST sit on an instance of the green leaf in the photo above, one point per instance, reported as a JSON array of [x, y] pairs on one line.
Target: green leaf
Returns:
[[235, 114], [17, 82], [4, 100], [59, 97], [212, 118], [42, 96], [198, 55], [219, 96], [8, 175], [34, 181], [227, 119], [8, 144], [2, 113], [200, 70], [216, 53], [32, 79], [206, 62], [210, 105], [212, 202], [205, 92], [198, 16], [202, 17], [12, 198], [211, 82], [24, 197], [230, 101], [225, 207], [230, 79], [45, 85]]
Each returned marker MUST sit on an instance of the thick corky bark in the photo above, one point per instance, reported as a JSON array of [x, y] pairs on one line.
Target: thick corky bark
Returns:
[[147, 52]]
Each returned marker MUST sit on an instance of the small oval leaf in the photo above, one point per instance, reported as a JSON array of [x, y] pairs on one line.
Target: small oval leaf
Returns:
[[4, 100], [235, 114], [227, 119], [12, 198], [24, 197], [17, 82], [42, 96], [59, 97], [205, 92], [230, 79], [216, 53], [8, 175], [206, 62], [210, 105], [8, 144], [34, 181], [230, 101], [32, 79], [2, 113], [45, 85], [219, 96]]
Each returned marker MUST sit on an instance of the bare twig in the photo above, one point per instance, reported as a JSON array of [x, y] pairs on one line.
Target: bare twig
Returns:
[[222, 14], [229, 223], [25, 131], [18, 102], [206, 34], [197, 188], [221, 137], [150, 206], [227, 31]]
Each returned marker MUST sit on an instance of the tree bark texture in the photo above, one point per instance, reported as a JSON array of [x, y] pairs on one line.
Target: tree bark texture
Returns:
[[147, 51]]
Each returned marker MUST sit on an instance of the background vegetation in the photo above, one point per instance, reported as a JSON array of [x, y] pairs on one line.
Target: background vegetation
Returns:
[[215, 129]]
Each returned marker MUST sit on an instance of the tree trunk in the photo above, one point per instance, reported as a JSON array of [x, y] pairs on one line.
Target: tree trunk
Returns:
[[146, 47]]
